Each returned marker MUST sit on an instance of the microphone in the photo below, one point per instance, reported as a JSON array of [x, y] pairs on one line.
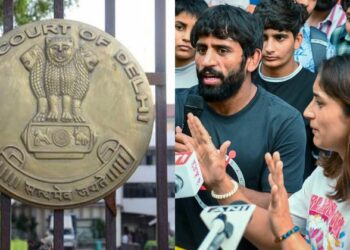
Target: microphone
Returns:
[[194, 104], [188, 175], [215, 234], [228, 237]]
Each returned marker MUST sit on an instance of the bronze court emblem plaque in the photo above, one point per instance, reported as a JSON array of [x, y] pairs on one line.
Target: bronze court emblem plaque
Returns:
[[76, 114]]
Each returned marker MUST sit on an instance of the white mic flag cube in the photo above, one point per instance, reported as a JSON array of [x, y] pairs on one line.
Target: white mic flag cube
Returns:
[[188, 175], [237, 215]]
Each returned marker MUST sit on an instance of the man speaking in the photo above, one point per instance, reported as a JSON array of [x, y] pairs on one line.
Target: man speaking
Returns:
[[228, 43]]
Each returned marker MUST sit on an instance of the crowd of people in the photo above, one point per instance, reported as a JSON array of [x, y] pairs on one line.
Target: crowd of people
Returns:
[[275, 84]]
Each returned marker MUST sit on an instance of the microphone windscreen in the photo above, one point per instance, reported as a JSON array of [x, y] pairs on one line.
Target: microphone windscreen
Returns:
[[194, 104]]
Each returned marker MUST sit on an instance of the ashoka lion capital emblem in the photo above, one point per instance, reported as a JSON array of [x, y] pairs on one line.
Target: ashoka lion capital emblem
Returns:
[[59, 80]]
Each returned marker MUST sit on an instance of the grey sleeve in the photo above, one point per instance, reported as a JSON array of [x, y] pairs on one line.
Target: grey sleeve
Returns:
[[290, 141]]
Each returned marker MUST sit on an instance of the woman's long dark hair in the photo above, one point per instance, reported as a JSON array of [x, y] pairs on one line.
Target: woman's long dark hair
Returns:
[[335, 81]]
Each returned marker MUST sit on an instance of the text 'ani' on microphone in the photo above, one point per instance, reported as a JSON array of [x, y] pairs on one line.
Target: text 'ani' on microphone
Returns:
[[226, 225]]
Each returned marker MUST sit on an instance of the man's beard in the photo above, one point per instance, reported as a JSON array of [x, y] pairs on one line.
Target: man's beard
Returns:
[[324, 5], [228, 88]]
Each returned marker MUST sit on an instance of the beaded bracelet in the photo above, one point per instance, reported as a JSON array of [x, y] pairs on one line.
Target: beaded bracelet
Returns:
[[226, 195], [287, 234]]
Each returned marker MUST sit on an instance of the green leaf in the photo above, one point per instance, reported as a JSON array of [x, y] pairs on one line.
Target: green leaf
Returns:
[[26, 11]]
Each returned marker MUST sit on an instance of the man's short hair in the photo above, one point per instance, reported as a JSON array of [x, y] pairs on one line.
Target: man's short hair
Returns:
[[226, 21], [282, 15], [192, 7]]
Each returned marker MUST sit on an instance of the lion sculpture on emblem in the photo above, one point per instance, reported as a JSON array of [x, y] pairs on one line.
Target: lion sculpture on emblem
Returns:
[[59, 79], [60, 72]]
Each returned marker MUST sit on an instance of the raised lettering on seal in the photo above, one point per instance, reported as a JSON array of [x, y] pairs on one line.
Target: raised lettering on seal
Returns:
[[121, 57], [4, 48], [17, 39], [133, 74], [87, 35], [31, 34]]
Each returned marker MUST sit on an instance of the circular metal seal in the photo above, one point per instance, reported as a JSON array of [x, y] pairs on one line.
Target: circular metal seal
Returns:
[[76, 114]]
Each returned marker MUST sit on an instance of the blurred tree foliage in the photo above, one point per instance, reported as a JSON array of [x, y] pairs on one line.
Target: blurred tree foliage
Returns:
[[26, 11], [98, 228], [25, 226]]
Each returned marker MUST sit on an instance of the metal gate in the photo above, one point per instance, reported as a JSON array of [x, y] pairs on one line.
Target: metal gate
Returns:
[[156, 78]]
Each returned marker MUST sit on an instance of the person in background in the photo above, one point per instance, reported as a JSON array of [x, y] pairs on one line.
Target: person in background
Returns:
[[341, 35], [47, 241], [244, 4], [186, 15], [278, 72], [315, 46], [327, 16], [127, 236], [318, 215], [239, 3]]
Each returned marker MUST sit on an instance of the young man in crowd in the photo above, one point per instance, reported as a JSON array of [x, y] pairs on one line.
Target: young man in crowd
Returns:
[[315, 46], [278, 72], [228, 42], [186, 15], [341, 35], [327, 16]]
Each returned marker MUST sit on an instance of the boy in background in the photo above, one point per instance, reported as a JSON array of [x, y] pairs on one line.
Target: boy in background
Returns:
[[278, 72], [186, 15]]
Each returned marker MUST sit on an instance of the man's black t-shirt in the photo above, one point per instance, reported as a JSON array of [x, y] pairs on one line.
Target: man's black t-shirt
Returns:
[[266, 124]]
